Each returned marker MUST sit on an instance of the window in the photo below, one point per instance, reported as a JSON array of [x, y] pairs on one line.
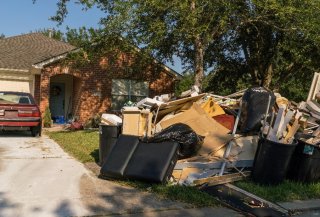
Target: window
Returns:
[[15, 98], [124, 90]]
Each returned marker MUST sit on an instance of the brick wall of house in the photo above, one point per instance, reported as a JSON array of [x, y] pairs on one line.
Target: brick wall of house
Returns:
[[93, 84], [37, 80]]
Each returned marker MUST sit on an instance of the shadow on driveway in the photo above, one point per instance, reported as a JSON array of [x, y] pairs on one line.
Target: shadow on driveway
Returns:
[[15, 133]]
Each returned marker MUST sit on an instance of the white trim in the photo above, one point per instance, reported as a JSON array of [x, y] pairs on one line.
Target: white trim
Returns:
[[40, 65], [14, 70]]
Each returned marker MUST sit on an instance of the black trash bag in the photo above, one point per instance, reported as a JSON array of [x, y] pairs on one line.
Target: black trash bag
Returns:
[[189, 141], [254, 107]]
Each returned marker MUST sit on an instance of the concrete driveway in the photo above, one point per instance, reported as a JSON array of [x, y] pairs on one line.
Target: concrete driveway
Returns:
[[37, 178]]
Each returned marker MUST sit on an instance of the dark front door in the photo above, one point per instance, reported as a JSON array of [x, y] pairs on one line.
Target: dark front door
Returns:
[[57, 99]]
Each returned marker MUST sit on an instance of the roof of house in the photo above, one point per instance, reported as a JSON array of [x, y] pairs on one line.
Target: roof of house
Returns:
[[23, 51]]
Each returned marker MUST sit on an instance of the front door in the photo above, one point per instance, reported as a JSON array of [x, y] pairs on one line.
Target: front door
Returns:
[[57, 99]]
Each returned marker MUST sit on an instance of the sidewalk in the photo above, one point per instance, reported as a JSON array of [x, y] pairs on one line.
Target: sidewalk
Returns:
[[198, 212]]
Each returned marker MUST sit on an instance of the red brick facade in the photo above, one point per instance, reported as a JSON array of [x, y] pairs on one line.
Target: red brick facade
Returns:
[[92, 84]]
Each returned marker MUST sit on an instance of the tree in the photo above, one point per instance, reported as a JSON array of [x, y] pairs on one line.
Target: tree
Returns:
[[271, 37], [184, 28], [2, 36], [53, 33], [265, 42]]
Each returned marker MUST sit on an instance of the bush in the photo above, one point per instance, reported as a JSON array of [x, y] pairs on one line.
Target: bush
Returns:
[[93, 122], [47, 121]]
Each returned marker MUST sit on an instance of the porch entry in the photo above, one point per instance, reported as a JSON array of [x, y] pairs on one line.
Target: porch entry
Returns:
[[57, 102]]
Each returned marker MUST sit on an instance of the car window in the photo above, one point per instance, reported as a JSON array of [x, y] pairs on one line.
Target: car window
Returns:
[[10, 98]]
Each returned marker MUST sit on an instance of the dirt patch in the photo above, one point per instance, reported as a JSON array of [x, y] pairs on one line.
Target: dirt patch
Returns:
[[93, 167], [37, 144]]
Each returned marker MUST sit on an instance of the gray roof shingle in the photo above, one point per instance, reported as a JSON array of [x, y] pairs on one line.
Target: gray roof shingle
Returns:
[[21, 52]]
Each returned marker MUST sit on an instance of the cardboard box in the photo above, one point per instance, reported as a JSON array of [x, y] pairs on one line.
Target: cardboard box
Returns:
[[216, 135], [137, 122]]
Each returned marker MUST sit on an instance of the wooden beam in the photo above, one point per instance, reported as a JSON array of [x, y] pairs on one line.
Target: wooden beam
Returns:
[[217, 180], [263, 201]]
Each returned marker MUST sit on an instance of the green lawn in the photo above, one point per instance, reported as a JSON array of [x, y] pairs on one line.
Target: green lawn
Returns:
[[287, 191], [84, 146]]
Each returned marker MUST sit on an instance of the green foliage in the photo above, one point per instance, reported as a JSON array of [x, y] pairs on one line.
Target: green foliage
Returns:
[[287, 191], [185, 194], [164, 28], [47, 121], [184, 84], [258, 42], [93, 122]]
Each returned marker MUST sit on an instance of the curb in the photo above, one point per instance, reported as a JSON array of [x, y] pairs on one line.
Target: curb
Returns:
[[301, 205]]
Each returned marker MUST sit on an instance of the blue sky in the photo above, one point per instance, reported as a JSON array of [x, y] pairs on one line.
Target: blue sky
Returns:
[[22, 16]]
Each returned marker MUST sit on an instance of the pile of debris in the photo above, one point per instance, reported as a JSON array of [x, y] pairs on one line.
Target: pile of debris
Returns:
[[202, 138]]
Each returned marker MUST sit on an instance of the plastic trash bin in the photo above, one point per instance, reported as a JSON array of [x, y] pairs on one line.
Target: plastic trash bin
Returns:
[[305, 162], [271, 161], [108, 137]]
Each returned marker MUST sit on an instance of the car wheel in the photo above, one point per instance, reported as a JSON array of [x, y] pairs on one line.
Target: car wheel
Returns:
[[36, 131]]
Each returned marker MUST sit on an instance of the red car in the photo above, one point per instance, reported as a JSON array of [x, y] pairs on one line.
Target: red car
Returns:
[[18, 111]]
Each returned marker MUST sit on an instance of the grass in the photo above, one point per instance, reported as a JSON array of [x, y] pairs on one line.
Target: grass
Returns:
[[84, 146], [287, 191]]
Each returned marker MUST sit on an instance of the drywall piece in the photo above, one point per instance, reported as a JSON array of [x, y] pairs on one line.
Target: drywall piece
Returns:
[[175, 105], [248, 145], [315, 87], [148, 102], [287, 118], [314, 107], [182, 101], [111, 119]]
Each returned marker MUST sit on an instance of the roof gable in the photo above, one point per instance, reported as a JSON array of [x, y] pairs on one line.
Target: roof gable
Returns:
[[23, 51]]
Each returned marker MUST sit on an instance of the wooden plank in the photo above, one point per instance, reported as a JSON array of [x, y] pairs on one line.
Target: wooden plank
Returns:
[[217, 180], [292, 131], [214, 165], [181, 101], [263, 201]]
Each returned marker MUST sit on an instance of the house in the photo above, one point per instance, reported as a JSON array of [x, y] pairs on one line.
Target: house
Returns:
[[37, 64]]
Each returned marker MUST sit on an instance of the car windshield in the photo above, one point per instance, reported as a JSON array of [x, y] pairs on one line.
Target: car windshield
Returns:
[[14, 98]]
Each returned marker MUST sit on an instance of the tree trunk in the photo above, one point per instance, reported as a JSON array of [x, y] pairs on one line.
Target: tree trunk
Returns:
[[199, 53], [267, 77], [199, 71]]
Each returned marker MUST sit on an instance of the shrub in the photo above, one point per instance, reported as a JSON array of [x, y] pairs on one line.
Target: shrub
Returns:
[[47, 121], [93, 122]]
